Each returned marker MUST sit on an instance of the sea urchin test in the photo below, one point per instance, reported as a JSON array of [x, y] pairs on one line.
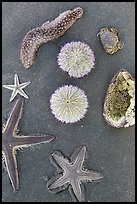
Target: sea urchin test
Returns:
[[119, 106], [76, 58], [50, 30], [69, 104]]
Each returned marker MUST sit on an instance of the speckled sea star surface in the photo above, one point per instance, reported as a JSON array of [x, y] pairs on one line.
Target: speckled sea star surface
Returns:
[[72, 174], [50, 30]]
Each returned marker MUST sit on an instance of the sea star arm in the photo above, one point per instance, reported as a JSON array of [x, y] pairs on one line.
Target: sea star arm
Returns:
[[80, 157], [91, 175], [16, 80], [76, 190], [22, 93], [60, 160], [14, 93], [11, 164], [58, 183], [24, 141], [23, 85], [11, 87], [14, 117]]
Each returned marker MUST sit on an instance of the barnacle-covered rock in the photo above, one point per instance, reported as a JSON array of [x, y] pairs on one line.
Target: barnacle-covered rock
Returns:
[[119, 105]]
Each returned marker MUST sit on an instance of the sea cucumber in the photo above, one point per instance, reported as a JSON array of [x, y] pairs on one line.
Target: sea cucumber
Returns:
[[50, 30]]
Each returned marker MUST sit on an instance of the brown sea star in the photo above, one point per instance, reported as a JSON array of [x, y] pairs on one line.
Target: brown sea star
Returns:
[[73, 174], [11, 142]]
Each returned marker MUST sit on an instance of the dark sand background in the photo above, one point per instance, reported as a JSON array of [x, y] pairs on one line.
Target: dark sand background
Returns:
[[110, 150]]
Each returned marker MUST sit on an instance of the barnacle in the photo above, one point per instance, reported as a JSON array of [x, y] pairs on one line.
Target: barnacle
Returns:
[[119, 105]]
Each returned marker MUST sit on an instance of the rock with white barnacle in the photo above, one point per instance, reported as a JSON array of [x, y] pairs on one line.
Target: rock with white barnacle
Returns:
[[110, 40], [48, 31], [119, 105]]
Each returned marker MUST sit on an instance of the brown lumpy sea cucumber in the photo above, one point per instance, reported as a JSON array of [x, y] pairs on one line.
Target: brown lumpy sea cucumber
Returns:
[[50, 30]]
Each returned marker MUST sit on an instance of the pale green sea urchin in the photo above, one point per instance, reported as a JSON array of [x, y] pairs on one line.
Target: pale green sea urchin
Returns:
[[69, 104], [76, 58]]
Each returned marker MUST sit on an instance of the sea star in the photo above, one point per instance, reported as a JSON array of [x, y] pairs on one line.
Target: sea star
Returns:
[[11, 142], [73, 174], [50, 30], [17, 88]]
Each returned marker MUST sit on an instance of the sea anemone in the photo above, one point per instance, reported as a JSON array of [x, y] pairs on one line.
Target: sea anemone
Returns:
[[69, 104], [76, 58]]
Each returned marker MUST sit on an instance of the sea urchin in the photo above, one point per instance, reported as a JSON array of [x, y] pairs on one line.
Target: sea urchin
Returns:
[[69, 104], [76, 58]]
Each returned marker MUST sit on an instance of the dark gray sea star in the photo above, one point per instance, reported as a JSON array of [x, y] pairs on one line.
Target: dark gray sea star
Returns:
[[73, 174]]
